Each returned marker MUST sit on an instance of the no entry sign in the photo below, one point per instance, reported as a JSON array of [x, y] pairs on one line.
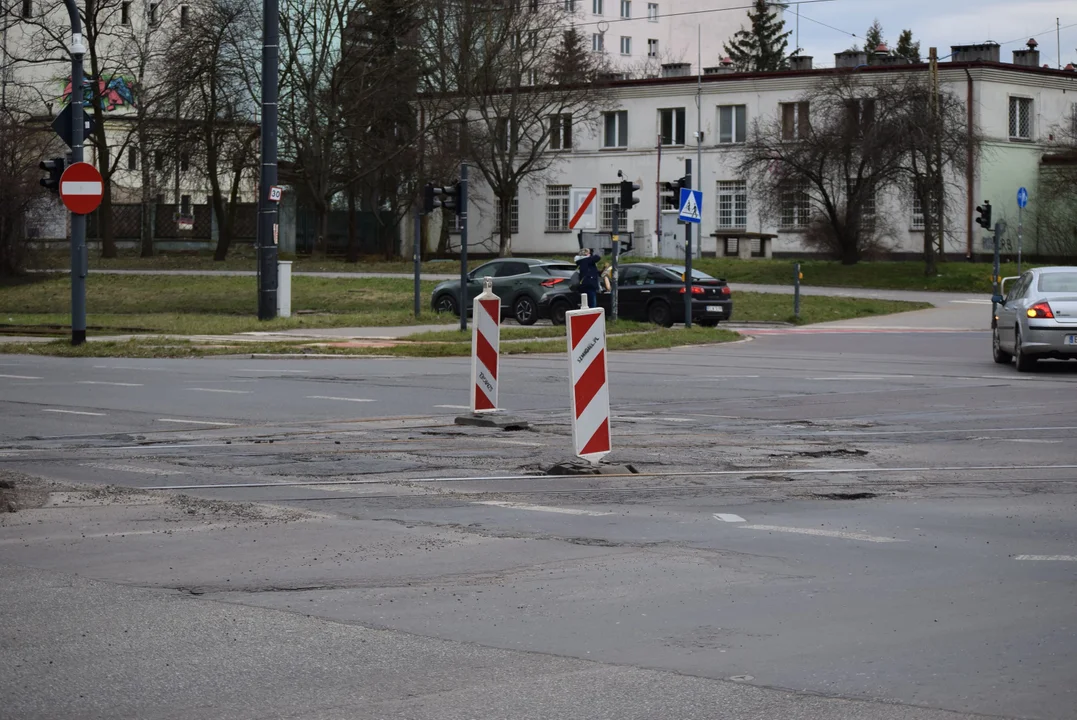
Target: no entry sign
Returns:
[[81, 188]]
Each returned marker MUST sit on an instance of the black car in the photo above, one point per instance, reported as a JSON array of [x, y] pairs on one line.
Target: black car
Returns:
[[648, 292], [519, 282]]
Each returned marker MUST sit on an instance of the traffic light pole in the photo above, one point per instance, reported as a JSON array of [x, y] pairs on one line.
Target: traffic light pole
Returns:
[[461, 212], [267, 209], [79, 261], [615, 251], [417, 252], [688, 254]]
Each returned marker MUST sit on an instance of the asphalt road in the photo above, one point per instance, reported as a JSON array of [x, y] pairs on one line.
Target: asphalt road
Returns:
[[826, 523]]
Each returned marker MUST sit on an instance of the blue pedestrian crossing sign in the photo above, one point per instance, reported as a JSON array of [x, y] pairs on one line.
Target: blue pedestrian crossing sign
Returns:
[[691, 204], [1022, 198]]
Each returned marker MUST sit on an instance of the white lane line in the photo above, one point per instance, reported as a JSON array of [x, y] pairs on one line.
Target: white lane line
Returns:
[[343, 399], [75, 412], [843, 378], [454, 407], [1063, 558], [972, 302], [823, 533], [259, 370], [196, 422], [21, 377], [540, 508], [132, 469], [221, 390], [104, 382], [133, 367], [728, 517]]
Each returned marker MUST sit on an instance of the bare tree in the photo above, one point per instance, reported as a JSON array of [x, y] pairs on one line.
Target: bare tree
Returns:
[[519, 84], [1056, 204], [21, 148]]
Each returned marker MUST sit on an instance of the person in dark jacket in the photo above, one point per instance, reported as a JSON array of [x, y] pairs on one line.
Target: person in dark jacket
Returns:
[[587, 262]]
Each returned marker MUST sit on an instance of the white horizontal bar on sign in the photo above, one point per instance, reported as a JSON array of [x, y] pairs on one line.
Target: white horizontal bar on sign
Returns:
[[81, 187]]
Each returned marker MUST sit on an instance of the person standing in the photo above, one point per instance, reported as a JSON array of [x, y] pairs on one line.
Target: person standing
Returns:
[[587, 262]]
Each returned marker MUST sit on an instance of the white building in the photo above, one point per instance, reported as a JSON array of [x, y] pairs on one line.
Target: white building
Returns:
[[1017, 108]]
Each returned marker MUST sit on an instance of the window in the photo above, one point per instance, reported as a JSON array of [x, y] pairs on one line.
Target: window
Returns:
[[154, 7], [615, 131], [27, 8], [860, 116], [185, 161], [652, 12], [671, 126], [185, 14], [598, 42], [610, 197], [185, 205], [794, 120], [626, 45], [511, 268], [132, 158], [867, 203], [514, 222], [796, 206], [626, 8], [1020, 118], [570, 6], [731, 123], [557, 208], [125, 13], [596, 7], [652, 48], [917, 213], [560, 132], [732, 205], [503, 134], [158, 160]]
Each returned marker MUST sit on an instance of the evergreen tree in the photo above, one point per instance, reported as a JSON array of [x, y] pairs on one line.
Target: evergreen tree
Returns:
[[873, 38], [906, 48], [761, 48], [572, 60]]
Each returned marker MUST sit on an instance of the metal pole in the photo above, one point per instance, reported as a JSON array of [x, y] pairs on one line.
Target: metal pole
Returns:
[[79, 260], [796, 290], [461, 211], [688, 255], [615, 243], [417, 251], [267, 210], [699, 111], [1020, 224], [996, 280]]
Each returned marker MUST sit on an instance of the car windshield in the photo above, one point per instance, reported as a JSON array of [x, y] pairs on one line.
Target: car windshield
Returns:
[[696, 274], [1058, 282]]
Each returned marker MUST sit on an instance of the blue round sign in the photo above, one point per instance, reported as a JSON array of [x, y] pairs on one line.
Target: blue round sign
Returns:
[[1022, 198]]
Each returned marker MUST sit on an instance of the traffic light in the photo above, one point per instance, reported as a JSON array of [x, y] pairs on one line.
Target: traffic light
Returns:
[[446, 197], [676, 186], [428, 198], [984, 211], [55, 168], [628, 197]]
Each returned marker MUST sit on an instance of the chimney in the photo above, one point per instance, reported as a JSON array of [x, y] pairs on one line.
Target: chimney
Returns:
[[985, 52], [850, 59], [800, 62], [1029, 57], [676, 70]]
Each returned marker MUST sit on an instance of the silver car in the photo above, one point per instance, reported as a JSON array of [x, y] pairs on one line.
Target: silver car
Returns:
[[1037, 317]]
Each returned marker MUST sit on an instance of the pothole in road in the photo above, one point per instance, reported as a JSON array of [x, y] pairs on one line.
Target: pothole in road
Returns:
[[847, 495], [833, 452]]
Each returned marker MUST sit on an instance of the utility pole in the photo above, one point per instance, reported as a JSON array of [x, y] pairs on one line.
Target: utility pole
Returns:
[[688, 254], [267, 209], [79, 261]]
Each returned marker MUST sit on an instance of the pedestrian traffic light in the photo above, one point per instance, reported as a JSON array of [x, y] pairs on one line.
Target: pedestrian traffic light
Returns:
[[628, 197], [984, 212], [447, 197], [55, 168]]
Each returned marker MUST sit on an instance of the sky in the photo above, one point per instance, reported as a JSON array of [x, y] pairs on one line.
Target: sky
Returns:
[[941, 23]]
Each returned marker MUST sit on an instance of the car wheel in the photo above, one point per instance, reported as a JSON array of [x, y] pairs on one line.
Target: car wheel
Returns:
[[707, 322], [660, 313], [1025, 362], [557, 313], [446, 304], [1001, 356], [524, 310]]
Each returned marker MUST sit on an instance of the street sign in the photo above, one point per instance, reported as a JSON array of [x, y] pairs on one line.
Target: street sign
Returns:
[[62, 125], [275, 193], [81, 188], [1022, 198], [691, 204], [582, 208]]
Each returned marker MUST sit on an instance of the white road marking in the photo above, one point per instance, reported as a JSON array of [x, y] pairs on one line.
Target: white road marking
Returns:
[[133, 367], [132, 469], [454, 407], [104, 382], [344, 399], [258, 370], [864, 377], [540, 508], [21, 377], [1063, 558], [824, 533], [1027, 440], [75, 412], [221, 390], [727, 517], [196, 422], [972, 302]]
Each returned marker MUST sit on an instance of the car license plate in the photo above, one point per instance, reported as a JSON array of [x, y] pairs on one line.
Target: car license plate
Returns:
[[1071, 340], [714, 309]]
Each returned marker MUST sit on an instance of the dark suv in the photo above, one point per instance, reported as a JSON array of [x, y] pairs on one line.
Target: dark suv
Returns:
[[648, 292], [519, 282]]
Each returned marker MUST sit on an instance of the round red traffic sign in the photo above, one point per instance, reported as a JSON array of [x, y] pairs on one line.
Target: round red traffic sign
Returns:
[[81, 188]]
